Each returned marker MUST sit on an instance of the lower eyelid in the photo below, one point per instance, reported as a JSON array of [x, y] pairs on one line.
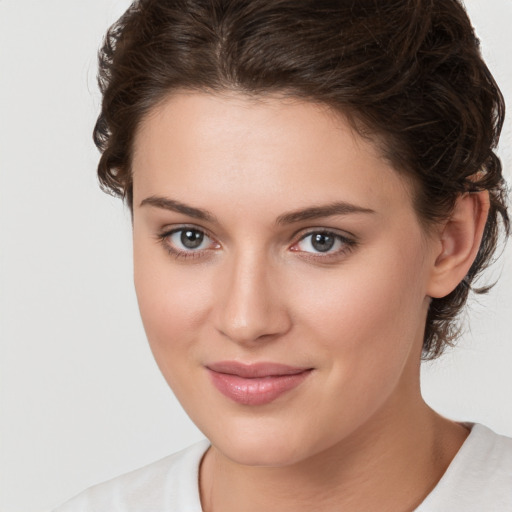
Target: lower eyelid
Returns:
[[173, 250], [327, 256]]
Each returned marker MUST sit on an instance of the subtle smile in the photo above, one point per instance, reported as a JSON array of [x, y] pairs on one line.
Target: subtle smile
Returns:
[[255, 384]]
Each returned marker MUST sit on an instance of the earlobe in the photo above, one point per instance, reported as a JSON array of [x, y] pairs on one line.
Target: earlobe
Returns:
[[459, 243]]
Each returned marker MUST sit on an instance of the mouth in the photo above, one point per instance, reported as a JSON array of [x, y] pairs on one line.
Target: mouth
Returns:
[[255, 384]]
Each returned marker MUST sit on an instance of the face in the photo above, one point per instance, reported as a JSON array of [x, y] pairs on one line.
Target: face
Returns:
[[281, 273]]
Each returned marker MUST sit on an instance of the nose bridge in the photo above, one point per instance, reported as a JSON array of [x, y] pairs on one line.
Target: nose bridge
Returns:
[[252, 307]]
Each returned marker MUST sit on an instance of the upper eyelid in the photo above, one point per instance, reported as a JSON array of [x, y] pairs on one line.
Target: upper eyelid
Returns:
[[168, 230], [347, 241], [165, 233], [300, 235]]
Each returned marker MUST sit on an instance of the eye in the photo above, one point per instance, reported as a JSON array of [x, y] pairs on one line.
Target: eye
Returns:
[[323, 242], [187, 242], [188, 239]]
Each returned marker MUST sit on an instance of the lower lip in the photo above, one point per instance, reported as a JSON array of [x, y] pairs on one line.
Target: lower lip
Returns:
[[256, 391]]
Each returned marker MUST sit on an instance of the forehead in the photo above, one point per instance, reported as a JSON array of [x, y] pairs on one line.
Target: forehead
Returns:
[[243, 149]]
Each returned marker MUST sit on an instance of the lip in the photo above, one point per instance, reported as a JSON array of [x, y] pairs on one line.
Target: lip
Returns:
[[257, 383]]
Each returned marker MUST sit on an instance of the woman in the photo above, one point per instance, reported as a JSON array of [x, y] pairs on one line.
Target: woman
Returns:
[[313, 190]]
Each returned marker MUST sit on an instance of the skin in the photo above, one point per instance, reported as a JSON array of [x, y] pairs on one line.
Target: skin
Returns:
[[356, 434]]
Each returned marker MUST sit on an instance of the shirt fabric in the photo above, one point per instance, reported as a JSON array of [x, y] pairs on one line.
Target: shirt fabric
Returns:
[[479, 479]]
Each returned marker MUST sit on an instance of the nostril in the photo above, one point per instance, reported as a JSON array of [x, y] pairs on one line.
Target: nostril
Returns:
[[265, 327]]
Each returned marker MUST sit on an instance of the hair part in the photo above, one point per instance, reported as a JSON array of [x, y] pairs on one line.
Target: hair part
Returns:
[[408, 74]]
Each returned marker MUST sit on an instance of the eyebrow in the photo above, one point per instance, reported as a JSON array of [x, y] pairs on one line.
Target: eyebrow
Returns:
[[175, 206], [313, 212], [317, 212]]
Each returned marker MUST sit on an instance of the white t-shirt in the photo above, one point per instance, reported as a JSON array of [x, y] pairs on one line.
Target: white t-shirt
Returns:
[[479, 479]]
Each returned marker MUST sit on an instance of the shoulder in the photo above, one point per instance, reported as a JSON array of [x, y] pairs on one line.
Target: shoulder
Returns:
[[479, 477], [170, 484]]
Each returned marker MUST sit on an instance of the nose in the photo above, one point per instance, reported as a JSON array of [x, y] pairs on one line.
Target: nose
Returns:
[[250, 306]]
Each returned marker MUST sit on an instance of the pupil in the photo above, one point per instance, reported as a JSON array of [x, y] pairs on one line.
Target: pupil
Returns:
[[191, 239], [322, 242]]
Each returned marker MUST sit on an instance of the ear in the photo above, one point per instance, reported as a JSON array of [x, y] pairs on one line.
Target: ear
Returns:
[[459, 239]]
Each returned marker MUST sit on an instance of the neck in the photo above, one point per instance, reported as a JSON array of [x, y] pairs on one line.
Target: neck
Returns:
[[390, 464]]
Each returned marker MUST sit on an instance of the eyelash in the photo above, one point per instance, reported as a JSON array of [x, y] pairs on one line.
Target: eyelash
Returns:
[[348, 244], [163, 238]]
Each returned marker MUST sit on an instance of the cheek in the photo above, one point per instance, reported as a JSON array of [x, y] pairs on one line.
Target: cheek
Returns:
[[172, 303], [370, 311], [365, 325]]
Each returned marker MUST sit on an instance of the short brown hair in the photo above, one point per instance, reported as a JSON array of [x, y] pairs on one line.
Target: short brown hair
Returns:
[[408, 73]]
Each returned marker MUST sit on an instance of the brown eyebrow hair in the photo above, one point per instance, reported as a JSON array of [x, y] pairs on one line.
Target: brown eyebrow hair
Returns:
[[313, 212], [175, 206], [316, 212]]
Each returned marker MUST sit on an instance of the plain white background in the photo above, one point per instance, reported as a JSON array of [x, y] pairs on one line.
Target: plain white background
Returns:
[[81, 398]]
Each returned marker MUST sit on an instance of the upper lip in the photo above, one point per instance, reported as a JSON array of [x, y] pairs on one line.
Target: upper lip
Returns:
[[255, 370]]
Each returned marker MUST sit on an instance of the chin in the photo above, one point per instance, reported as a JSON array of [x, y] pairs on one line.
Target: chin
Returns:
[[265, 447], [256, 455]]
